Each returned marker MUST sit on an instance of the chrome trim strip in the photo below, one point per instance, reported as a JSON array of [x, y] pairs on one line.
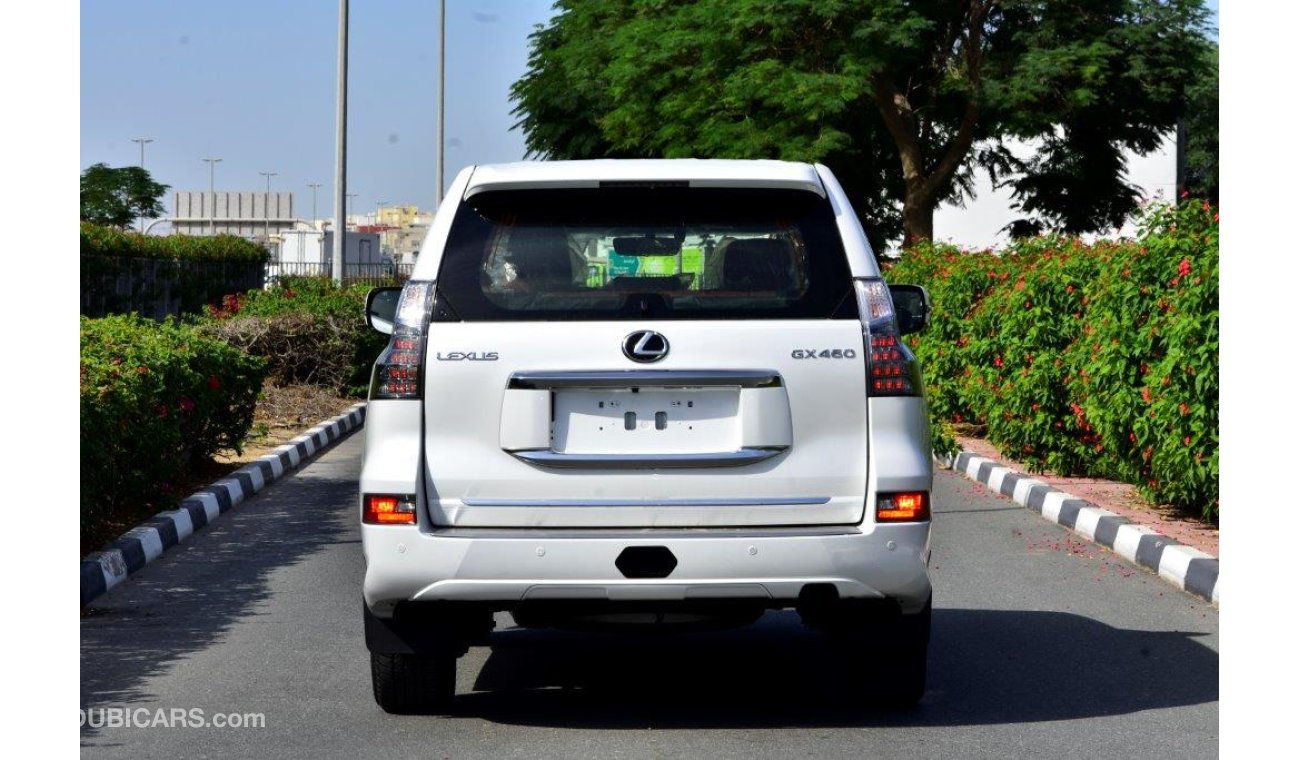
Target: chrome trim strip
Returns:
[[768, 502], [664, 534], [657, 378], [738, 458]]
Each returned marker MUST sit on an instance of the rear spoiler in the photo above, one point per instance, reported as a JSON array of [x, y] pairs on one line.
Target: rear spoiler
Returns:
[[546, 175]]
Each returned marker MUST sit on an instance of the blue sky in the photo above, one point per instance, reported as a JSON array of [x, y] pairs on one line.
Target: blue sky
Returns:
[[252, 83]]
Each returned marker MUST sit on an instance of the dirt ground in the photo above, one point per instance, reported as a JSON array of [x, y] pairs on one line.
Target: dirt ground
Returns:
[[282, 414]]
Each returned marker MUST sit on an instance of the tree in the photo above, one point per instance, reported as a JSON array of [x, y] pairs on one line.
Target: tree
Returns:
[[903, 99], [115, 197], [1202, 160]]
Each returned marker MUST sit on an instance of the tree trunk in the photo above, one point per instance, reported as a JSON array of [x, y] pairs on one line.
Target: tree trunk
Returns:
[[918, 219]]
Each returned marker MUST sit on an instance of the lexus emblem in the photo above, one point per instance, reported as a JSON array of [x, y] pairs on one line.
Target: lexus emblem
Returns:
[[645, 346]]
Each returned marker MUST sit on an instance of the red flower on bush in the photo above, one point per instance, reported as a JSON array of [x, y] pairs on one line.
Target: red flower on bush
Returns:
[[161, 410], [214, 382], [186, 405], [1146, 394], [997, 361], [1183, 409], [1184, 267], [1187, 440]]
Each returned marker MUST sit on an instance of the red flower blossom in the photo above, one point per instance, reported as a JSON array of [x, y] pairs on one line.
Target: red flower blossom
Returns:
[[1146, 394], [214, 382], [1187, 440], [161, 409], [186, 405], [1184, 267], [1183, 409], [997, 361]]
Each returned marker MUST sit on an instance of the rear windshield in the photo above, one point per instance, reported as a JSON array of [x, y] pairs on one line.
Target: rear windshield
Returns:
[[645, 253]]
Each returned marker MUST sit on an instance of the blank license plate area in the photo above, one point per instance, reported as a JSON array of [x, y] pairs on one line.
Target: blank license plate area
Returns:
[[647, 421]]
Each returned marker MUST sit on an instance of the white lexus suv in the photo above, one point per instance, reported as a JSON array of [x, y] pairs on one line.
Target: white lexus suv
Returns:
[[645, 393]]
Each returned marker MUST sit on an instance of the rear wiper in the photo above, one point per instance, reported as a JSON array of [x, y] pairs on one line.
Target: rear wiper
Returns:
[[646, 305]]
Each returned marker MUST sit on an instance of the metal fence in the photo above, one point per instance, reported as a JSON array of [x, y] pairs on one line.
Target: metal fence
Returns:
[[386, 273], [159, 288]]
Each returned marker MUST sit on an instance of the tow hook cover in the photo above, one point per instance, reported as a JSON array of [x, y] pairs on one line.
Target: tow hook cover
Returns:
[[646, 562]]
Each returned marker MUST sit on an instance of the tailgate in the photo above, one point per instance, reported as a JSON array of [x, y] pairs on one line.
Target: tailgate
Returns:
[[743, 423]]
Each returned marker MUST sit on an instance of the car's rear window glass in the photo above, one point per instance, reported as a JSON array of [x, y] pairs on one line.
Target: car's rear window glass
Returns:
[[638, 253]]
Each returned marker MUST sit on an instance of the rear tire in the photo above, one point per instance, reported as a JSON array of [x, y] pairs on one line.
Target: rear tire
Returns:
[[885, 659], [907, 644], [414, 684]]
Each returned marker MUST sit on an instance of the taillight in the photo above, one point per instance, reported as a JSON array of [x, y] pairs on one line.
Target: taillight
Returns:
[[892, 369], [398, 369], [911, 506], [387, 509]]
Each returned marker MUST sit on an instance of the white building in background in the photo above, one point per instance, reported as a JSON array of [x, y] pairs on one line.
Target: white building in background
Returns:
[[311, 250], [255, 216], [980, 223]]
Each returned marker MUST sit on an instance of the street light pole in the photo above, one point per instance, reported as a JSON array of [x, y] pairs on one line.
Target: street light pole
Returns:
[[341, 147], [212, 188], [313, 186], [442, 87], [142, 141], [266, 203]]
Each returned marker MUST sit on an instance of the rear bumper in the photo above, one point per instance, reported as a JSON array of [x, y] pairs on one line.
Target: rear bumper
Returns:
[[508, 568]]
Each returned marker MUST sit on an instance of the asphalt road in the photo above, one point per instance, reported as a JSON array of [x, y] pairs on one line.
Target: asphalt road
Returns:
[[1041, 647]]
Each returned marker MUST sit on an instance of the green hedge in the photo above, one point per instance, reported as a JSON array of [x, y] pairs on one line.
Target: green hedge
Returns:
[[155, 399], [97, 240], [1082, 359], [308, 329]]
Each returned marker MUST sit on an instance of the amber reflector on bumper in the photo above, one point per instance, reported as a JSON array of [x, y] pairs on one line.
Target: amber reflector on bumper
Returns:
[[912, 506], [383, 509]]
